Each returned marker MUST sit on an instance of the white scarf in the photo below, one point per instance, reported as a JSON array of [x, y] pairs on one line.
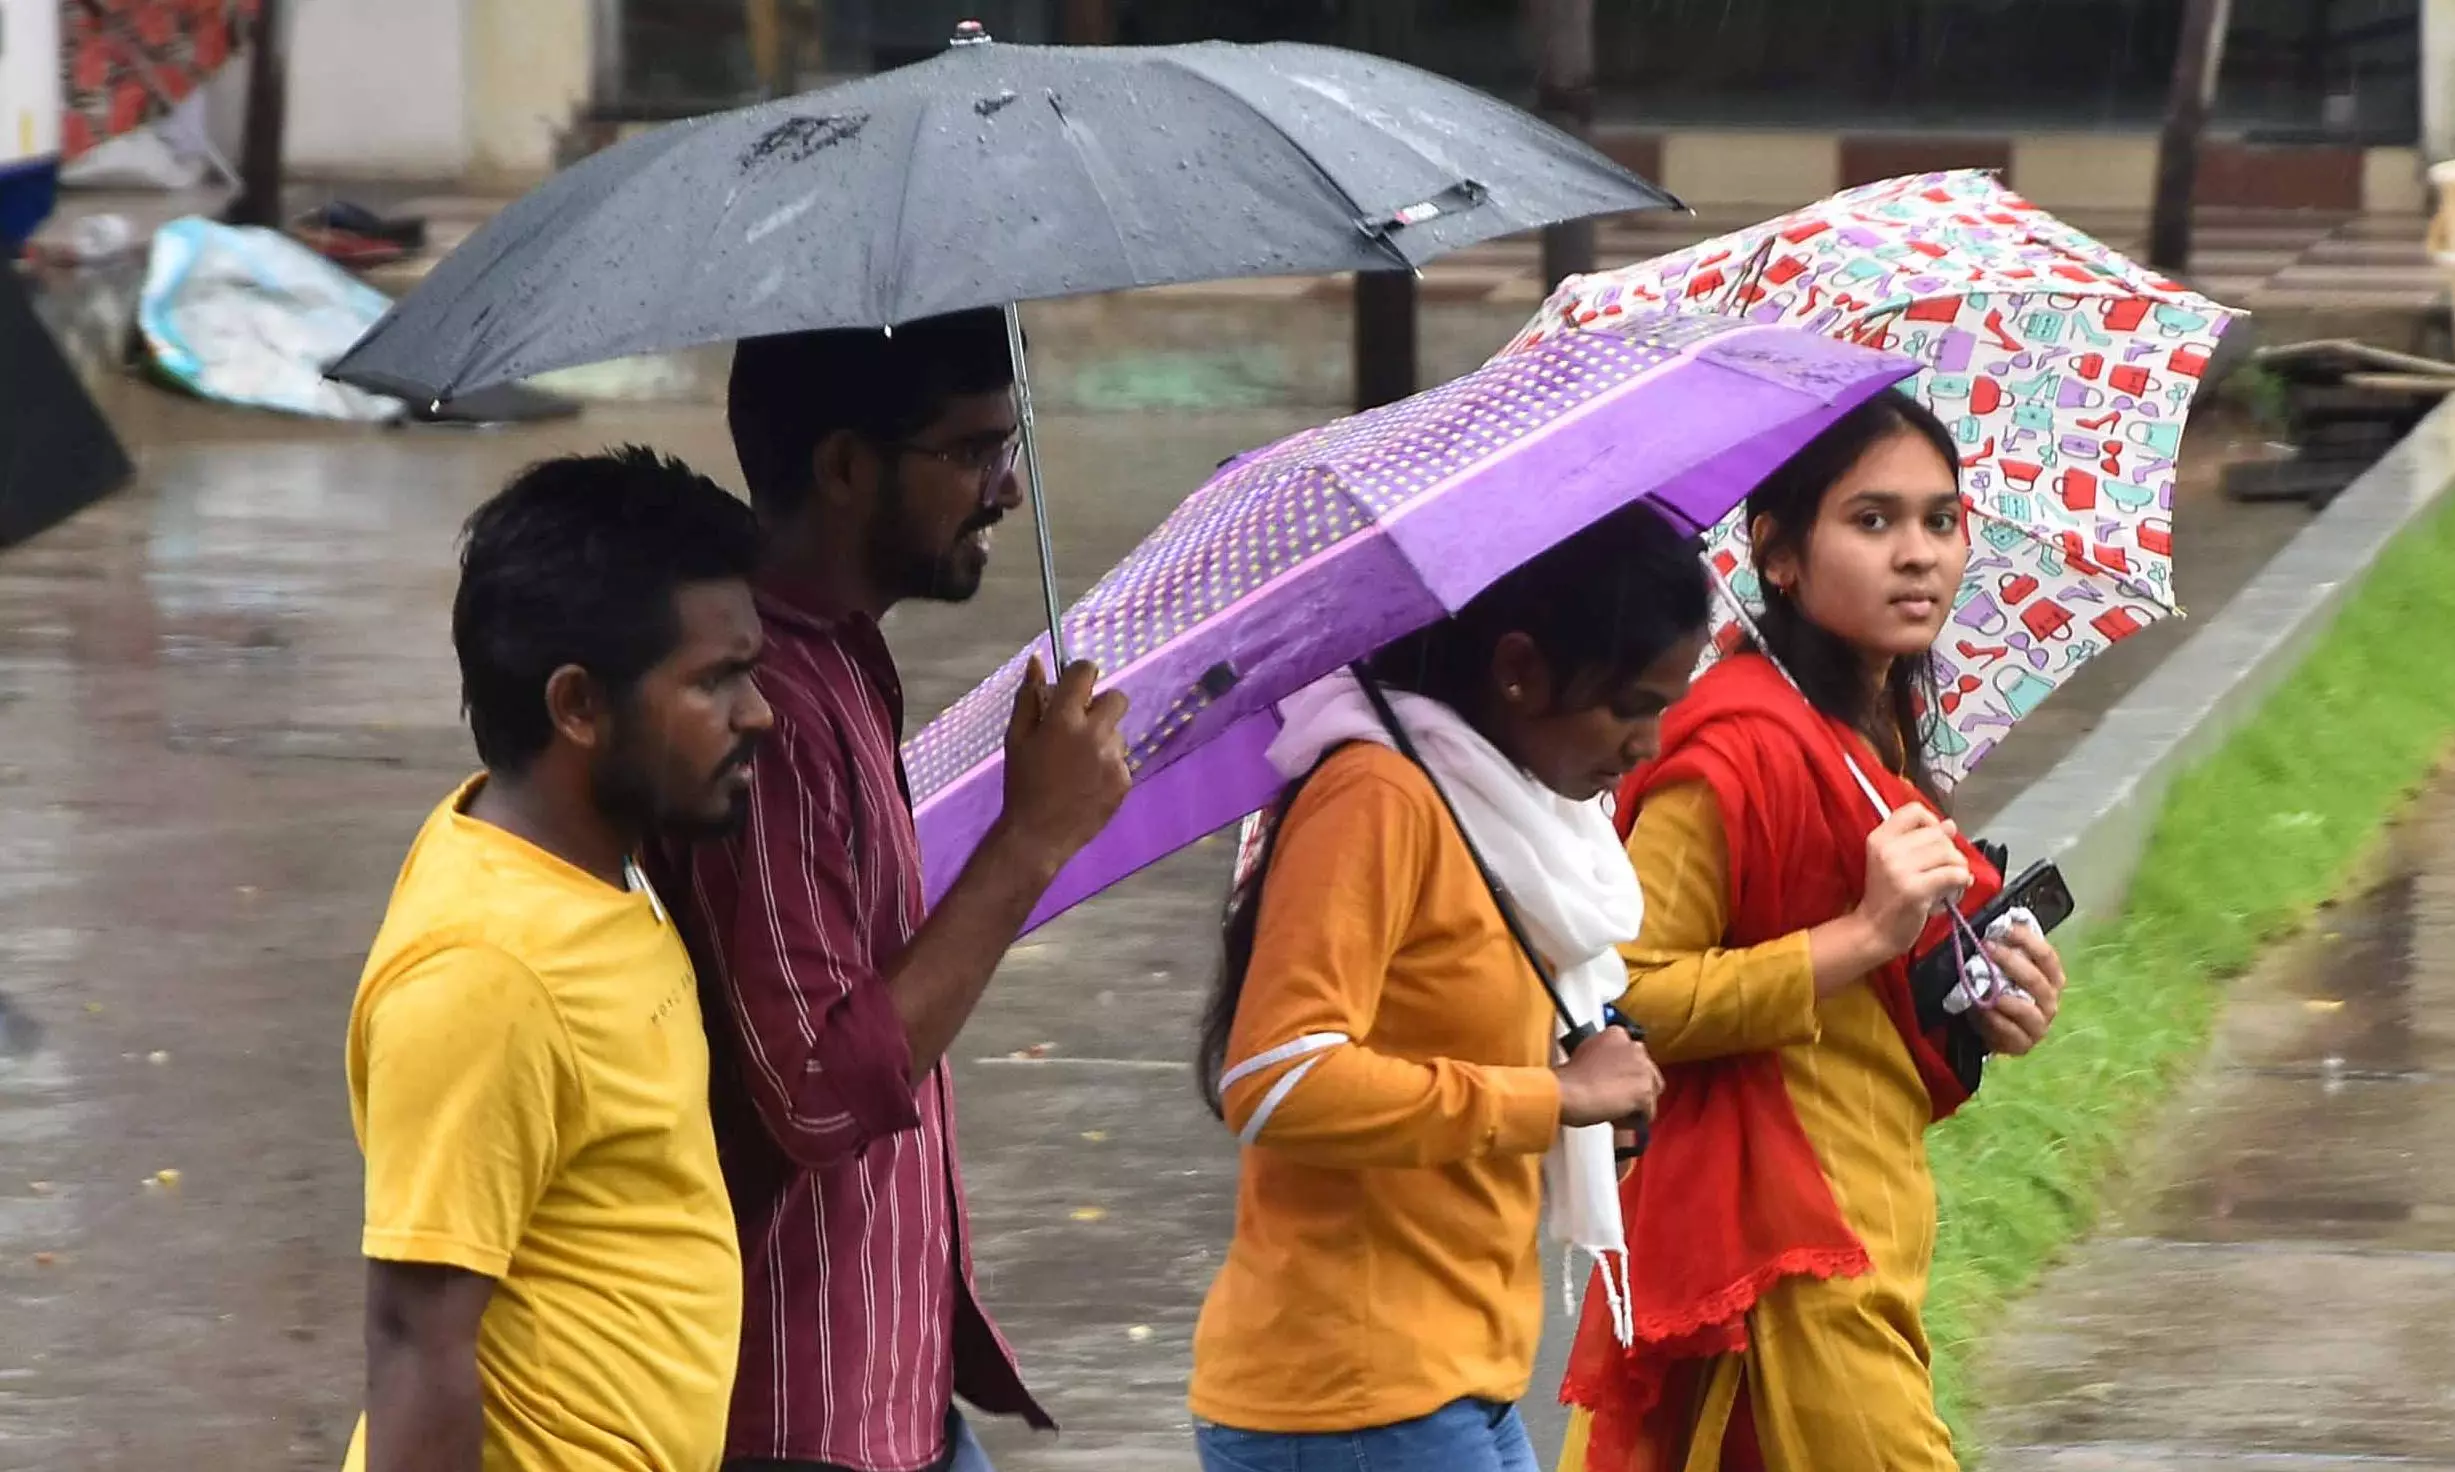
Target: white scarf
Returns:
[[1565, 871]]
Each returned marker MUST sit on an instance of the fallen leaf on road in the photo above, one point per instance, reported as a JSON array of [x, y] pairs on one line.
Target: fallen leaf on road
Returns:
[[165, 1178], [157, 1057], [1089, 1213], [1096, 1137], [1138, 1333], [45, 1259], [1036, 1050], [93, 1009], [39, 1188], [2324, 1004]]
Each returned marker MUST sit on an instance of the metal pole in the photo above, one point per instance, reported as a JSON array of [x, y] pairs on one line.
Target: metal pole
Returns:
[[1031, 486], [1384, 301], [1384, 337], [260, 150], [1564, 97], [2196, 64]]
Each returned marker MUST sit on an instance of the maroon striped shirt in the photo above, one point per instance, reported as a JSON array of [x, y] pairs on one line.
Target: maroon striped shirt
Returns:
[[860, 1318]]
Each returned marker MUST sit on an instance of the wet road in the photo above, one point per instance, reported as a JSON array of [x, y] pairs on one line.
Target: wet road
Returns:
[[226, 700], [2280, 1290]]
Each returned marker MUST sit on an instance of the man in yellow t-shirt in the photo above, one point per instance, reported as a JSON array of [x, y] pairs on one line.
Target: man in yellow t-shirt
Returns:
[[553, 1279]]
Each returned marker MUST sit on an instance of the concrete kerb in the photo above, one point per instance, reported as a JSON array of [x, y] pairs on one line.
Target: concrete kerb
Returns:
[[2092, 814]]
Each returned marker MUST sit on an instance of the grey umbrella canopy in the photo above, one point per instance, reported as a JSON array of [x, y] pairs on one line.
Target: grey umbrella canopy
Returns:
[[988, 175]]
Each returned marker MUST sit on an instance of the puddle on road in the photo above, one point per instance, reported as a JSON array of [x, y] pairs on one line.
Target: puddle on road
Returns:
[[20, 1034]]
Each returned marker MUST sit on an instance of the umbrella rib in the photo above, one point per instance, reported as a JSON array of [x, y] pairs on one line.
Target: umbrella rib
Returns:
[[1083, 157], [516, 234], [892, 297], [733, 199], [1355, 207]]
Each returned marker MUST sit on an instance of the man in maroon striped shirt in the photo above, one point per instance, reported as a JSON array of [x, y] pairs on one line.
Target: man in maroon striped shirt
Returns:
[[878, 464]]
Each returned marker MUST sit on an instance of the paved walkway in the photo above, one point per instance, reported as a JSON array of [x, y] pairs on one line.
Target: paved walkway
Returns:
[[2278, 1290]]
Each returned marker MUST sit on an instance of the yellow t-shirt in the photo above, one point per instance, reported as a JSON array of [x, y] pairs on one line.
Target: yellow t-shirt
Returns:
[[529, 1081]]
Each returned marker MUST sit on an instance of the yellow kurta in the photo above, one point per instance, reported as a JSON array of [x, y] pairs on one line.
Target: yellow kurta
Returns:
[[1836, 1370]]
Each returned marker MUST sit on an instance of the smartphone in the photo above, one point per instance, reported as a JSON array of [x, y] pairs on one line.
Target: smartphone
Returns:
[[2039, 890]]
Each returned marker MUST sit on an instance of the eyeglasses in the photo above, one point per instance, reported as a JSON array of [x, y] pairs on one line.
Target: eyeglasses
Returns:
[[991, 460]]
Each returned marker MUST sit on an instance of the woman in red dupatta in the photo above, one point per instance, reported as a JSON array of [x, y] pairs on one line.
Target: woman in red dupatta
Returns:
[[1781, 1227]]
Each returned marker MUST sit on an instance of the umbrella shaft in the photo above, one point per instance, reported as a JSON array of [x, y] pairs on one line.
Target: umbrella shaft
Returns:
[[1031, 485]]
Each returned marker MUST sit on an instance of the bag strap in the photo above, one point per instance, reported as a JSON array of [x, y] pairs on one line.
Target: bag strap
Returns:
[[1405, 744]]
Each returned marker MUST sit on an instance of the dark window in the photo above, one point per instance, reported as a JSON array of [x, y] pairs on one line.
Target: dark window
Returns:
[[2332, 70]]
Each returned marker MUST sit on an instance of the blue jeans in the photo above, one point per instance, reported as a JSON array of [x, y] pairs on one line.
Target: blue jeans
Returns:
[[1463, 1436]]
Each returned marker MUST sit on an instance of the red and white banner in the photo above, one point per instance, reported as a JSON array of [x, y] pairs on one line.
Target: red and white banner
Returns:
[[128, 62]]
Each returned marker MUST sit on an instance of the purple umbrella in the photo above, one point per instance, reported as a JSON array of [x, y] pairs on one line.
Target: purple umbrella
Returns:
[[1302, 557]]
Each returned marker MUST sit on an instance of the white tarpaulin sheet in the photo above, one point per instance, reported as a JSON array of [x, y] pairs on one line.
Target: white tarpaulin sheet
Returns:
[[251, 317]]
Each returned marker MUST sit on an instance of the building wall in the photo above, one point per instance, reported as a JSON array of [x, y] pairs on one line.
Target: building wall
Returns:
[[379, 87], [482, 90], [477, 91], [29, 81], [1780, 168], [529, 75]]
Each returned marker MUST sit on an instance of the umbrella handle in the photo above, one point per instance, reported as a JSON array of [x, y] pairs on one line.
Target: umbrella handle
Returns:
[[1031, 486]]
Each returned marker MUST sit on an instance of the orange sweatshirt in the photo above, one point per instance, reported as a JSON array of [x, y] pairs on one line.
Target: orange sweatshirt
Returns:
[[1386, 1260]]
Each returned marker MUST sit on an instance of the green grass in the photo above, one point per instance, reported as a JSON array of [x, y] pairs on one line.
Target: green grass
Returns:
[[2247, 845]]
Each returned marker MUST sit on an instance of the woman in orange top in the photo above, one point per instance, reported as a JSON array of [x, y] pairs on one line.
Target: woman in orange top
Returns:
[[1381, 1043], [1781, 1228]]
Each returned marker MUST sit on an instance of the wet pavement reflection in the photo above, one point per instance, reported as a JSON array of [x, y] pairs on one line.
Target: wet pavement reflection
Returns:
[[226, 700], [2280, 1290]]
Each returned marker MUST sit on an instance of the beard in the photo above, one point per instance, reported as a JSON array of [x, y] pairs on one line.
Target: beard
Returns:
[[912, 571], [626, 789]]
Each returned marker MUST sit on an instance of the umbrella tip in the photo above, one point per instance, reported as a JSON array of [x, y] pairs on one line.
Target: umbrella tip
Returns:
[[970, 33]]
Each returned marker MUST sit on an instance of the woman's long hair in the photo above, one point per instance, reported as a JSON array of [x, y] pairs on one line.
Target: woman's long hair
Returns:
[[1898, 720], [1600, 608]]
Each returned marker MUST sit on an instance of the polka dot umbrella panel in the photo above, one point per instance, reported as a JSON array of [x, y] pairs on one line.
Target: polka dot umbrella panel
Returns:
[[1300, 558], [2064, 370]]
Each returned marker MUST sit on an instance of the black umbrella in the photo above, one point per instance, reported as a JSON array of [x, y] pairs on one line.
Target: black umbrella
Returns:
[[57, 452], [986, 176]]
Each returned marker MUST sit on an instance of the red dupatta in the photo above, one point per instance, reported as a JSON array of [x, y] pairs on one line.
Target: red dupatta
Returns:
[[1729, 1198]]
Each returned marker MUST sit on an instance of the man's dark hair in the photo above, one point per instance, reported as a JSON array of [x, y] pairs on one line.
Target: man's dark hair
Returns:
[[577, 562], [790, 392]]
